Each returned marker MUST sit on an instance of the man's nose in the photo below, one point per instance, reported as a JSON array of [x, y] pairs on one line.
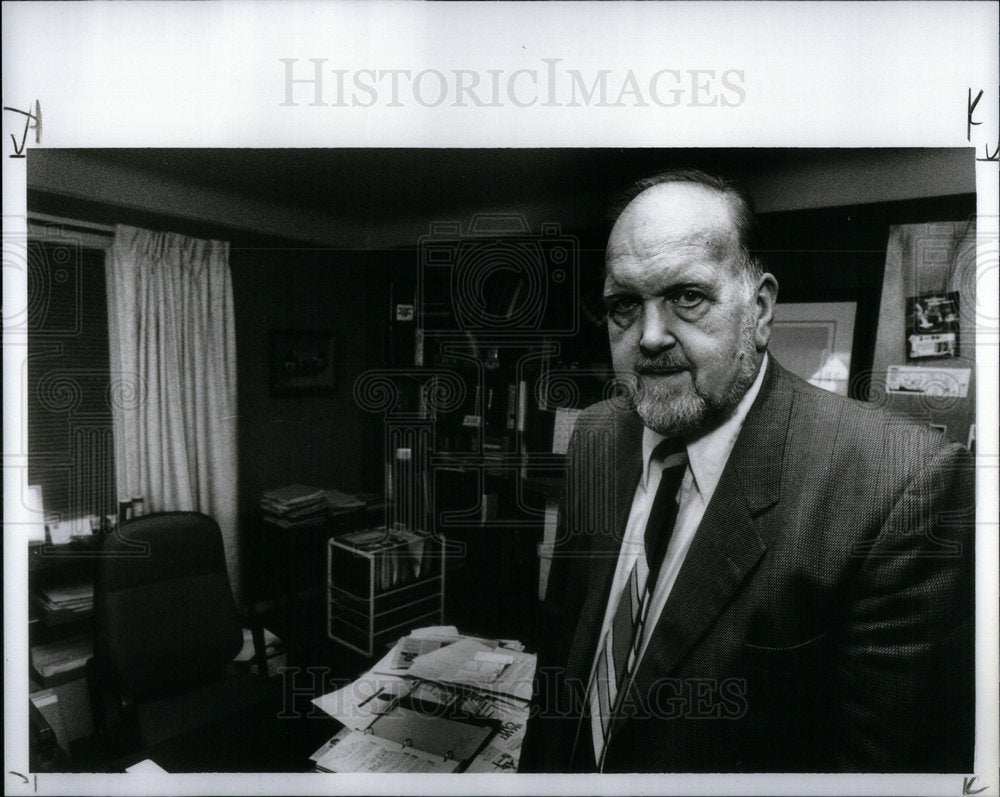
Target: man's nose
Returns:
[[656, 329]]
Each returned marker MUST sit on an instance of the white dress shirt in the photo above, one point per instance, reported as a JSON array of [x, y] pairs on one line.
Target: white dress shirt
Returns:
[[706, 459]]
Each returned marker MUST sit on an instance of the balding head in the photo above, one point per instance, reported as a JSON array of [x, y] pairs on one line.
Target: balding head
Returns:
[[742, 218]]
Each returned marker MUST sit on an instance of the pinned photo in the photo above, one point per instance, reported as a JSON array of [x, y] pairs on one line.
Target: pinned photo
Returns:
[[932, 325]]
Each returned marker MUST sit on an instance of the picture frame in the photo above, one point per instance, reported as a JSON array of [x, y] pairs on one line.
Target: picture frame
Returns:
[[302, 362], [815, 341]]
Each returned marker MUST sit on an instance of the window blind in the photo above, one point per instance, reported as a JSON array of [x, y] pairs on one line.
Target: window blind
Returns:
[[70, 440]]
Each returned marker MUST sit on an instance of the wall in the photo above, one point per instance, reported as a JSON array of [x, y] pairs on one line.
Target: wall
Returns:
[[321, 440], [931, 258]]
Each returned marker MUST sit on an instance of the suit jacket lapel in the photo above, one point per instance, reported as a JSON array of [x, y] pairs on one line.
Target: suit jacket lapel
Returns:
[[727, 544]]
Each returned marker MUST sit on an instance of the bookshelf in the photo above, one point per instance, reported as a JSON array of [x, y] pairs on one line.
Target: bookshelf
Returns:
[[383, 582], [60, 631]]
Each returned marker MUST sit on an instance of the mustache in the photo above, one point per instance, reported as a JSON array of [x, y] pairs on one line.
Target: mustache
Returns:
[[660, 365]]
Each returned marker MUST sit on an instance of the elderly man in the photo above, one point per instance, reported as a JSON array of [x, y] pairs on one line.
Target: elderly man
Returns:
[[751, 574]]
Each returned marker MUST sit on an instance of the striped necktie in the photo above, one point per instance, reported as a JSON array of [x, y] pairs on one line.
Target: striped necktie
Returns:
[[620, 649]]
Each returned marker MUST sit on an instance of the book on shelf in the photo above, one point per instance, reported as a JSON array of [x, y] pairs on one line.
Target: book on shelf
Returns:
[[73, 597], [297, 505], [337, 500], [294, 495], [314, 519], [62, 660], [294, 505]]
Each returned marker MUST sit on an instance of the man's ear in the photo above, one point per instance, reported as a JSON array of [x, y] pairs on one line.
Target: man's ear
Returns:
[[766, 296]]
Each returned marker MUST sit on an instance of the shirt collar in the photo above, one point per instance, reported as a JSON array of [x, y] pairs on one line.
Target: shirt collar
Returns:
[[707, 454]]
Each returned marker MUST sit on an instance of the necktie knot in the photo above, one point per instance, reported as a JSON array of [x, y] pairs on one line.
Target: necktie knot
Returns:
[[668, 451]]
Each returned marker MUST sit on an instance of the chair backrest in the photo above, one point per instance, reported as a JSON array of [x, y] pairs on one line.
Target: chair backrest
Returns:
[[165, 618]]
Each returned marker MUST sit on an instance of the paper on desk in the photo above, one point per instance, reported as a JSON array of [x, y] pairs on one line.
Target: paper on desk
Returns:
[[326, 747], [435, 694], [384, 666], [421, 640], [458, 664], [409, 647], [483, 667], [360, 752], [492, 760], [361, 702], [431, 734], [435, 631], [503, 751]]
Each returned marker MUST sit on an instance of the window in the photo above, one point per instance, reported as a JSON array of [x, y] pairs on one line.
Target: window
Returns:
[[70, 438]]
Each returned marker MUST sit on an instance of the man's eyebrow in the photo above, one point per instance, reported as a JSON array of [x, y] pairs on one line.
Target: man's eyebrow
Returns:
[[618, 289]]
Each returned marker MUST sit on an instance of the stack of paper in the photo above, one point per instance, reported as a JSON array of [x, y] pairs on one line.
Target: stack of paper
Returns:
[[437, 702], [63, 656], [352, 751], [294, 505], [68, 597], [419, 642], [339, 501], [470, 662]]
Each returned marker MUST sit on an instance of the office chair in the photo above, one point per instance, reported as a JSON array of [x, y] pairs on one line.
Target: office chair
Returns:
[[165, 630]]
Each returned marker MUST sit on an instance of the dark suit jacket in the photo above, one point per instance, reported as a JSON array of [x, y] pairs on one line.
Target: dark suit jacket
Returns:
[[823, 617]]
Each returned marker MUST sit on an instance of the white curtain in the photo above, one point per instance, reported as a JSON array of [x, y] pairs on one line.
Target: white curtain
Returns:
[[173, 376]]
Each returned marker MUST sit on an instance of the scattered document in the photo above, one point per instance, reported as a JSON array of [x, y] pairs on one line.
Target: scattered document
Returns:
[[436, 696], [408, 648], [360, 752], [503, 752], [363, 701], [436, 632], [432, 734], [420, 641], [330, 744], [483, 668], [460, 664], [460, 706]]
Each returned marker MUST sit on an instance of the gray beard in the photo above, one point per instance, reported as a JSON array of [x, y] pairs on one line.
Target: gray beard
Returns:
[[686, 412]]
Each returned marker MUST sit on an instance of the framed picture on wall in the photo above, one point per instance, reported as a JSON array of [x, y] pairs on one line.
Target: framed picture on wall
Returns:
[[814, 340], [302, 361]]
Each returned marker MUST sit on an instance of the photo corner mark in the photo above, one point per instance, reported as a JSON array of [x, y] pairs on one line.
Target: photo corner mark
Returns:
[[972, 104], [969, 785], [32, 121]]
